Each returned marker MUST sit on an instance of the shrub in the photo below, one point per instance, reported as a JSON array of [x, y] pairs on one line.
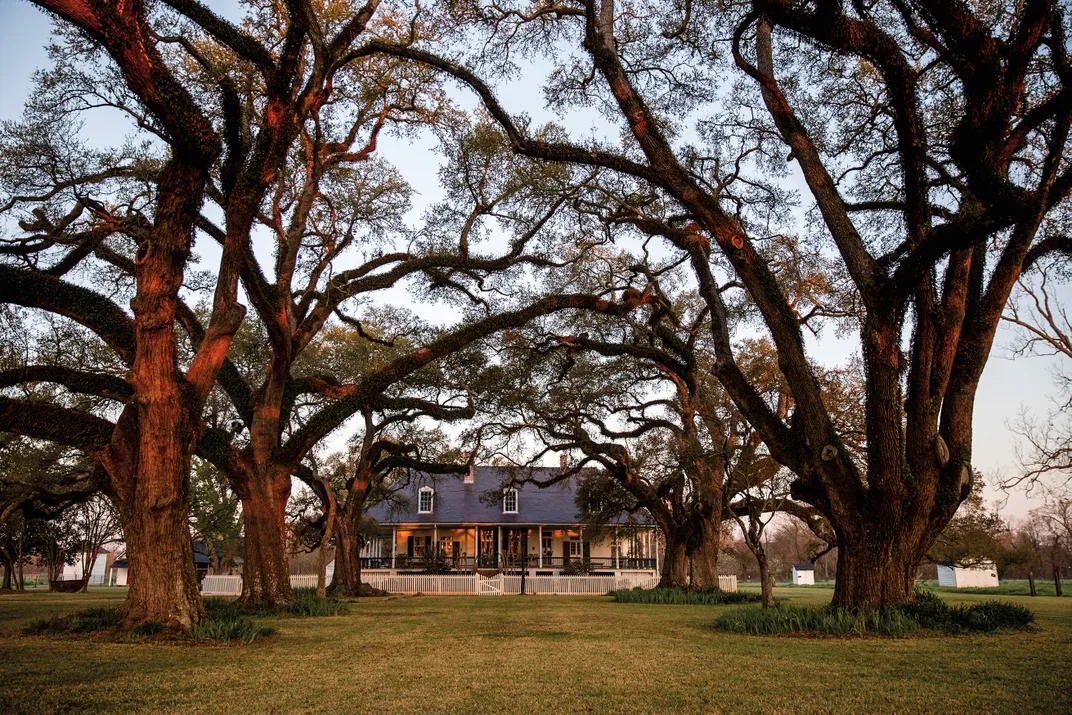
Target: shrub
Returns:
[[683, 596], [825, 621], [305, 604], [228, 629], [927, 613]]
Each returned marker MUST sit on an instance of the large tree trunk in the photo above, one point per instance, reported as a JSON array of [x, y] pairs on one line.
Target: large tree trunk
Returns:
[[348, 545], [704, 554], [162, 579], [675, 564], [7, 577], [875, 569], [266, 572]]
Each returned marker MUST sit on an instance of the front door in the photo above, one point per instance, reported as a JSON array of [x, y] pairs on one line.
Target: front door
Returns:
[[489, 547], [516, 542]]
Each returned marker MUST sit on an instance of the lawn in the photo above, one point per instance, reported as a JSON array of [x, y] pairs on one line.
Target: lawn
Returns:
[[529, 653]]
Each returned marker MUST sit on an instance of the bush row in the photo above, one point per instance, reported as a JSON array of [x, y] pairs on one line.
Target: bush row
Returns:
[[927, 613], [683, 596]]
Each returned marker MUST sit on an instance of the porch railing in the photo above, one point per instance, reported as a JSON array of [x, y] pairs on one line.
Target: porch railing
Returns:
[[509, 561]]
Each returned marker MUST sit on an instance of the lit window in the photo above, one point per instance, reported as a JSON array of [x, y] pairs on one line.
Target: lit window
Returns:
[[424, 501], [510, 501]]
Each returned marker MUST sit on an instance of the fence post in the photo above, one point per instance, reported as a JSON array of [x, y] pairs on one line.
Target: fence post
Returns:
[[1031, 581], [1057, 580]]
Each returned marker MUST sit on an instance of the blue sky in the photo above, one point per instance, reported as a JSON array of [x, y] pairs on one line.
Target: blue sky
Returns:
[[1007, 387]]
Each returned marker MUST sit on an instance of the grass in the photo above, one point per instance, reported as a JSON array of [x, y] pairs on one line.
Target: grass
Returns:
[[683, 596], [481, 654]]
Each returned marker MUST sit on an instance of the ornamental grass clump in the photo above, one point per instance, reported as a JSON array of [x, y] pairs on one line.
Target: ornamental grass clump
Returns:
[[305, 604], [927, 612], [683, 596], [228, 629]]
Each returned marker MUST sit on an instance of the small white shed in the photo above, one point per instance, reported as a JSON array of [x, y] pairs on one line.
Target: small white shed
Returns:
[[803, 574], [73, 572], [119, 573], [984, 575]]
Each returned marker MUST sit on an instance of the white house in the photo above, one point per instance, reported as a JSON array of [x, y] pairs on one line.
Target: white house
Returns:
[[985, 575], [803, 574], [527, 529], [73, 572]]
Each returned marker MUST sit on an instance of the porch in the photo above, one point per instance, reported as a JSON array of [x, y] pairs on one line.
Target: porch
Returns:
[[537, 549]]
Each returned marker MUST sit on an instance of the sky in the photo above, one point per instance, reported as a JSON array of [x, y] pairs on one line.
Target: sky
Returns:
[[1008, 386]]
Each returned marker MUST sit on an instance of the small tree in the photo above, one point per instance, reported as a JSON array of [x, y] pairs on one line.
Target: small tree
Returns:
[[96, 523]]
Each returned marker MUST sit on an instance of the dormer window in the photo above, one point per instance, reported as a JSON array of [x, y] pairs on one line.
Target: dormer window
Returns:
[[510, 501], [425, 500]]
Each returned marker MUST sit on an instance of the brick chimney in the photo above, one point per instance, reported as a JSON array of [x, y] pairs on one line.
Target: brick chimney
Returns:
[[562, 463], [470, 474]]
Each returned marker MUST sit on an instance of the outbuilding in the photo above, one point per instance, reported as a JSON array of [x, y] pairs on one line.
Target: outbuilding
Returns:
[[803, 574], [984, 575]]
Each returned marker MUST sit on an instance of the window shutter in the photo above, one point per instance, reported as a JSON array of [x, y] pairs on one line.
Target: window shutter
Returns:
[[428, 546], [565, 551], [586, 549], [409, 546]]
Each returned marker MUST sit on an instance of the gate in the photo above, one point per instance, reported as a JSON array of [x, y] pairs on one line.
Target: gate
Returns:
[[490, 585]]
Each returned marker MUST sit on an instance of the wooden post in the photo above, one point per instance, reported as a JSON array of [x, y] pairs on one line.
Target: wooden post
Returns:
[[394, 545], [1031, 582], [1057, 580], [617, 551], [656, 535], [499, 560], [539, 547]]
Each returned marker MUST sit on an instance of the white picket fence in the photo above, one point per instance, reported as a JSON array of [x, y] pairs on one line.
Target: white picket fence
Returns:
[[508, 585], [471, 585], [232, 585]]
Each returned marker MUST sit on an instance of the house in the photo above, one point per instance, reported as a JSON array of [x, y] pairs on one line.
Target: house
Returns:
[[97, 572], [445, 522], [983, 575], [120, 569], [803, 574]]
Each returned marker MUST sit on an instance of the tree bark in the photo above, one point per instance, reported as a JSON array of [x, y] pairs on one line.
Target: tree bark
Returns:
[[266, 572], [325, 540], [162, 580], [7, 577], [766, 580], [875, 569], [1057, 581], [675, 564], [704, 554], [348, 545]]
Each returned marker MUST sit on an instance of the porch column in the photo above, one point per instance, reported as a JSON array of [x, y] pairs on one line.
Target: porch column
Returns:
[[394, 544], [500, 556], [539, 545], [656, 535], [617, 550], [435, 539]]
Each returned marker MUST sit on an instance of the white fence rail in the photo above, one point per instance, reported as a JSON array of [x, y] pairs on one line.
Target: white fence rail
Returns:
[[471, 585], [508, 585], [232, 585]]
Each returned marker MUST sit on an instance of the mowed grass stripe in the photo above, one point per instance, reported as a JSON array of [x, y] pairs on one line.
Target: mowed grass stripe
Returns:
[[510, 654]]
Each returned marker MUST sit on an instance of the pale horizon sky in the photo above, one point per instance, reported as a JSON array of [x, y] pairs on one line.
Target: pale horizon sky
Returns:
[[1007, 386]]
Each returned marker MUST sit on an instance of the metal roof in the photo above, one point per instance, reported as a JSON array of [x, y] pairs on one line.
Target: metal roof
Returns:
[[456, 502], [804, 567]]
